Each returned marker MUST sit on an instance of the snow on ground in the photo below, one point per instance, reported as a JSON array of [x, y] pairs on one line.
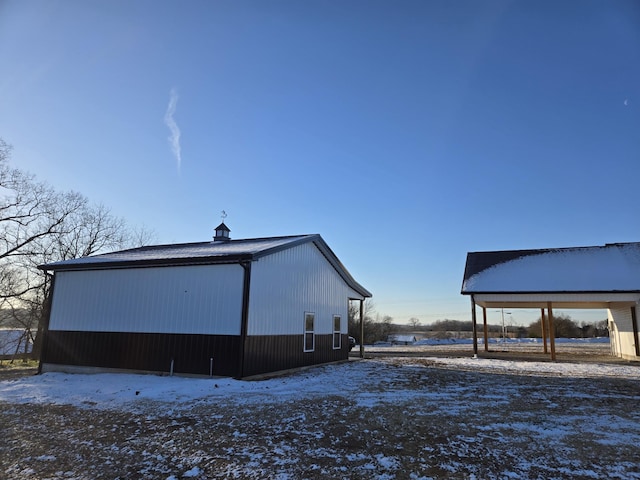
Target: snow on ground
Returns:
[[118, 390], [404, 417]]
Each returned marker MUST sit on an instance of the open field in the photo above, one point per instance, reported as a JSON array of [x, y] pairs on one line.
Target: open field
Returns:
[[567, 350], [392, 417]]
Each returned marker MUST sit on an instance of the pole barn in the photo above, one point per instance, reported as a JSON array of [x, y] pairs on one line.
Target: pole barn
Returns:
[[602, 277], [227, 307]]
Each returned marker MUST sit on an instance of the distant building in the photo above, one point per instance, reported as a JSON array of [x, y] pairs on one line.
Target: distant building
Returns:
[[227, 307], [603, 277], [401, 339]]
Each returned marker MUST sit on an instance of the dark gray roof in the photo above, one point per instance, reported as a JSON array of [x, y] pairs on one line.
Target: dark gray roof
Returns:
[[608, 268], [203, 253]]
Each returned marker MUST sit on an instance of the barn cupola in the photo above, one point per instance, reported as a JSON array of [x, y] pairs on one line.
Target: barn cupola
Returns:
[[222, 233]]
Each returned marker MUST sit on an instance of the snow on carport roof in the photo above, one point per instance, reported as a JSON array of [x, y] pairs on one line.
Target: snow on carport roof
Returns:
[[608, 268]]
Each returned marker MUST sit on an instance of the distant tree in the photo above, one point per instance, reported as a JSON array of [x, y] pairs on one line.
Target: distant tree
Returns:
[[563, 325], [534, 330], [376, 328], [521, 331], [414, 322], [385, 327], [602, 328], [447, 325], [368, 319], [597, 329]]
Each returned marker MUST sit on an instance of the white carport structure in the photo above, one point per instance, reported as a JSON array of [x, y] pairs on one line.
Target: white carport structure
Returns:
[[601, 277]]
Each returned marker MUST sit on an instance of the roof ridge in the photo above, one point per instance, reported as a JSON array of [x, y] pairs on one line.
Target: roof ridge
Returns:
[[206, 242]]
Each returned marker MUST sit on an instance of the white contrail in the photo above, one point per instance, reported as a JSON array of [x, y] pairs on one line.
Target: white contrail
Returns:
[[174, 138]]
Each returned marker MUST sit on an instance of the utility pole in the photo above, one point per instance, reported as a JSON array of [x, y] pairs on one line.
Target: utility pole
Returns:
[[504, 332]]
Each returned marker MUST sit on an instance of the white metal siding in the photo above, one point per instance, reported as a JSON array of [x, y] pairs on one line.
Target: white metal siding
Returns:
[[289, 283], [183, 299], [622, 341]]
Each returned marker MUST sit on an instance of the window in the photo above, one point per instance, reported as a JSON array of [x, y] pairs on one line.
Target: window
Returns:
[[309, 336], [336, 332]]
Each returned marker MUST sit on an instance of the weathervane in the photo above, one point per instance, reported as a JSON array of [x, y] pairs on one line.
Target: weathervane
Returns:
[[223, 215]]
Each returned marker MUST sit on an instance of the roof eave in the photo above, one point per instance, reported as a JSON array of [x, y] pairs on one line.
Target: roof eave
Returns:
[[545, 292], [339, 267], [166, 262]]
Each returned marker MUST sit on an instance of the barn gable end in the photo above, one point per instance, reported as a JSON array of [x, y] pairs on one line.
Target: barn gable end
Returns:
[[231, 308], [285, 287]]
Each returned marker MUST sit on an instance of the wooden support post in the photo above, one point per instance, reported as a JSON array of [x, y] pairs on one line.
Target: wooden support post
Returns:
[[486, 329], [475, 329], [552, 333], [543, 324], [361, 328], [634, 325]]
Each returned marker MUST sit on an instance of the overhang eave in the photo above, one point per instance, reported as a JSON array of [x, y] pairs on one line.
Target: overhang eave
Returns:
[[561, 305], [559, 300]]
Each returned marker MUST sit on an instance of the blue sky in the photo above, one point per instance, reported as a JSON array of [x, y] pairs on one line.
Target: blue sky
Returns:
[[406, 133]]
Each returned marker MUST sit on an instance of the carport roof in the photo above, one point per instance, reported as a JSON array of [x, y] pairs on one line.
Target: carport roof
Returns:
[[609, 268]]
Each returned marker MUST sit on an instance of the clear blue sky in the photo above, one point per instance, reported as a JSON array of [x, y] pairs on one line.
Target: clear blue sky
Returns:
[[406, 133]]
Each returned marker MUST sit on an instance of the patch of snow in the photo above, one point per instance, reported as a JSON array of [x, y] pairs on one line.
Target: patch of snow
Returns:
[[46, 458], [118, 390], [194, 472], [488, 427]]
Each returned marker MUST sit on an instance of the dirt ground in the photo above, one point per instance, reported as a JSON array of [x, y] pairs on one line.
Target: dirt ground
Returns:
[[525, 351], [455, 424]]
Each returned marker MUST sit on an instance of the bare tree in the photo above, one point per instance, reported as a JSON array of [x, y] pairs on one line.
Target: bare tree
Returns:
[[414, 322], [30, 211], [563, 325], [369, 310], [376, 327], [39, 225]]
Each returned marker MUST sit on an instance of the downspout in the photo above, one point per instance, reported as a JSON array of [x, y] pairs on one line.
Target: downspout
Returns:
[[45, 323], [246, 265]]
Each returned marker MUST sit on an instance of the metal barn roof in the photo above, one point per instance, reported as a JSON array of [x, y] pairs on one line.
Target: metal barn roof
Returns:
[[608, 268], [204, 253]]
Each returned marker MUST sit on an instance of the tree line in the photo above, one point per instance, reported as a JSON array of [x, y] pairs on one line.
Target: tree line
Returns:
[[378, 327], [39, 225]]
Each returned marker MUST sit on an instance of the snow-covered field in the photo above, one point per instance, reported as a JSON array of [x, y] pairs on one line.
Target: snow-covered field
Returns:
[[570, 349], [387, 418], [12, 341]]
